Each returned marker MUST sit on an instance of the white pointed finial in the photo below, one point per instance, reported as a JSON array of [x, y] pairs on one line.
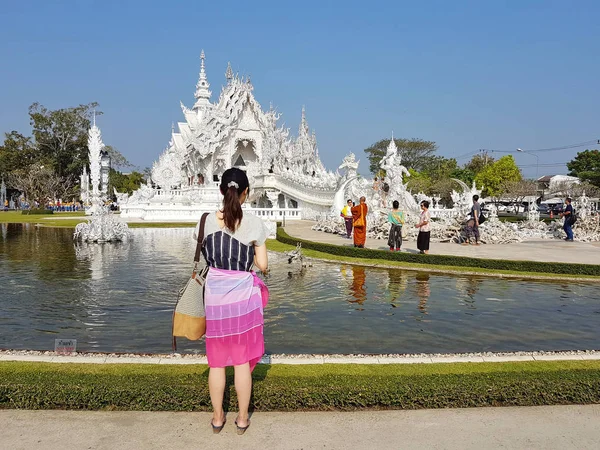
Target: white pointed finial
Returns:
[[229, 73], [202, 57], [202, 87]]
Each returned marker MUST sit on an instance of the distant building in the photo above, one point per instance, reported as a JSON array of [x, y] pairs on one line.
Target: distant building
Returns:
[[553, 185]]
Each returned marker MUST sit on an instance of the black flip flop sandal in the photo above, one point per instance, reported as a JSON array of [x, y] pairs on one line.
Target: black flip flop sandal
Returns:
[[241, 430], [217, 430]]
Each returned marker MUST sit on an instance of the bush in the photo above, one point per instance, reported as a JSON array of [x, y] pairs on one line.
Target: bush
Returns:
[[445, 260], [143, 387], [38, 211]]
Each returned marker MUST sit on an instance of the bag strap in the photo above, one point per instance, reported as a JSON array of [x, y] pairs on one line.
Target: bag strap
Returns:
[[200, 237]]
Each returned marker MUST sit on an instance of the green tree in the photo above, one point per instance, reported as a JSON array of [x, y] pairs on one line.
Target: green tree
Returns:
[[586, 166], [479, 162], [463, 174], [39, 183], [61, 136], [418, 182], [124, 182], [496, 177], [16, 153], [117, 160], [439, 167], [415, 153]]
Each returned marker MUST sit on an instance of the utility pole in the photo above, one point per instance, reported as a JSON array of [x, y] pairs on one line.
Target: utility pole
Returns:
[[484, 153]]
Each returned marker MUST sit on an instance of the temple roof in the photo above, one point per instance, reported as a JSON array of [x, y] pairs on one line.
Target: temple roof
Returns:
[[208, 127]]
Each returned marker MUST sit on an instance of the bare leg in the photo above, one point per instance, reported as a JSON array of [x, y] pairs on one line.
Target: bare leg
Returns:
[[243, 387], [216, 387]]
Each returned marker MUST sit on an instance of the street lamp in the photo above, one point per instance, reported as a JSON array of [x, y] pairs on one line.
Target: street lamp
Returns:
[[537, 161], [537, 164]]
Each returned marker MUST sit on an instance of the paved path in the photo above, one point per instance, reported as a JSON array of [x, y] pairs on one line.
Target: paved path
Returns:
[[545, 427], [538, 250]]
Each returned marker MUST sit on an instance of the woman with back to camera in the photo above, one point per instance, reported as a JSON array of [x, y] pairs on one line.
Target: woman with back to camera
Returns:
[[396, 219], [234, 296]]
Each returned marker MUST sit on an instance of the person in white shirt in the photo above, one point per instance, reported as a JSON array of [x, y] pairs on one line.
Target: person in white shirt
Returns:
[[424, 228]]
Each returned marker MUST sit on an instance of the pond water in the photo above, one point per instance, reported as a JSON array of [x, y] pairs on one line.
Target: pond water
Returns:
[[119, 298]]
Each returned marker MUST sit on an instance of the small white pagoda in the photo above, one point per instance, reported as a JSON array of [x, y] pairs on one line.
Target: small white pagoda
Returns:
[[287, 177]]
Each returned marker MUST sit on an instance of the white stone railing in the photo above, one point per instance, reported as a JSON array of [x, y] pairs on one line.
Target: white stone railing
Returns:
[[443, 213], [192, 213], [294, 189]]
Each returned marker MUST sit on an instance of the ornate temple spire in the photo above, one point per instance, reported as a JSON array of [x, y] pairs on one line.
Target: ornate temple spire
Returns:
[[95, 147], [303, 131], [392, 145], [202, 93], [229, 73]]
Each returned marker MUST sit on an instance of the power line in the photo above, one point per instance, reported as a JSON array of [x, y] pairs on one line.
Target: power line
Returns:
[[565, 147], [542, 165], [551, 149]]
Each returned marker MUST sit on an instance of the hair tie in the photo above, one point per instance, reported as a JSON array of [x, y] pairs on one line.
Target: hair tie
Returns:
[[233, 184]]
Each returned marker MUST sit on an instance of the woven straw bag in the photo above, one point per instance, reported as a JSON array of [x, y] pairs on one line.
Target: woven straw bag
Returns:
[[189, 317]]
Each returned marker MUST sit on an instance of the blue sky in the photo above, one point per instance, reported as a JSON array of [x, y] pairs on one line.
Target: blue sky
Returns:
[[466, 74]]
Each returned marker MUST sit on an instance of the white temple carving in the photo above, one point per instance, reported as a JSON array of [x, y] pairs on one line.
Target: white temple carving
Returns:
[[286, 174]]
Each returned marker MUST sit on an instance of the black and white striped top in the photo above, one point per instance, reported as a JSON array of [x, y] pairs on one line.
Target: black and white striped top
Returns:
[[232, 251]]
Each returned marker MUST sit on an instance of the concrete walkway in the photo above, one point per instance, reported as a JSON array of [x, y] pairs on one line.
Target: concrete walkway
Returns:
[[537, 250], [545, 427]]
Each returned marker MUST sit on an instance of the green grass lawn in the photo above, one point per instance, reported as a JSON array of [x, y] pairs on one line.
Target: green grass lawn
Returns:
[[277, 246], [57, 220], [155, 387]]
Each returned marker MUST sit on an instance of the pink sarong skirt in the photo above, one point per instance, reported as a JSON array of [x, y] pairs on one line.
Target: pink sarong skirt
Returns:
[[234, 302]]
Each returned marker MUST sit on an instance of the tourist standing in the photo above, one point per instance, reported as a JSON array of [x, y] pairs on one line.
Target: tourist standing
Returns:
[[396, 218], [376, 184], [385, 189], [359, 215], [347, 215], [473, 224], [424, 228], [234, 296], [568, 215]]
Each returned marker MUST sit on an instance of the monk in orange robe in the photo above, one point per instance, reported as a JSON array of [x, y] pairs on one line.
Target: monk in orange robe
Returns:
[[359, 215]]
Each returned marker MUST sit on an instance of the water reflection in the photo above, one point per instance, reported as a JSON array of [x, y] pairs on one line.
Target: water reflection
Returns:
[[469, 287], [396, 286], [120, 298], [358, 289], [423, 291], [43, 250]]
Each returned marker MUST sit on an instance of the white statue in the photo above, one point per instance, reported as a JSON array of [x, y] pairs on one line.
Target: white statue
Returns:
[[102, 226], [395, 171]]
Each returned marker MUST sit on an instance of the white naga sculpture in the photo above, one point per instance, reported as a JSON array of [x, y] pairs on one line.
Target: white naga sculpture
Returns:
[[102, 225]]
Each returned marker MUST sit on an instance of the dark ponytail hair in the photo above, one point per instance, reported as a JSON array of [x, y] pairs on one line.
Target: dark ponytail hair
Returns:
[[233, 184]]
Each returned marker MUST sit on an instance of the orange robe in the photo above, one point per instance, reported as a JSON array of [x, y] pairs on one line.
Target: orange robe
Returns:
[[359, 215]]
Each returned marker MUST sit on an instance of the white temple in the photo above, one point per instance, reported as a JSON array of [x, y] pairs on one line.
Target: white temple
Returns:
[[287, 177]]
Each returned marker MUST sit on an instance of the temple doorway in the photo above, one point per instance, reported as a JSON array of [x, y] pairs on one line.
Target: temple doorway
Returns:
[[244, 153]]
